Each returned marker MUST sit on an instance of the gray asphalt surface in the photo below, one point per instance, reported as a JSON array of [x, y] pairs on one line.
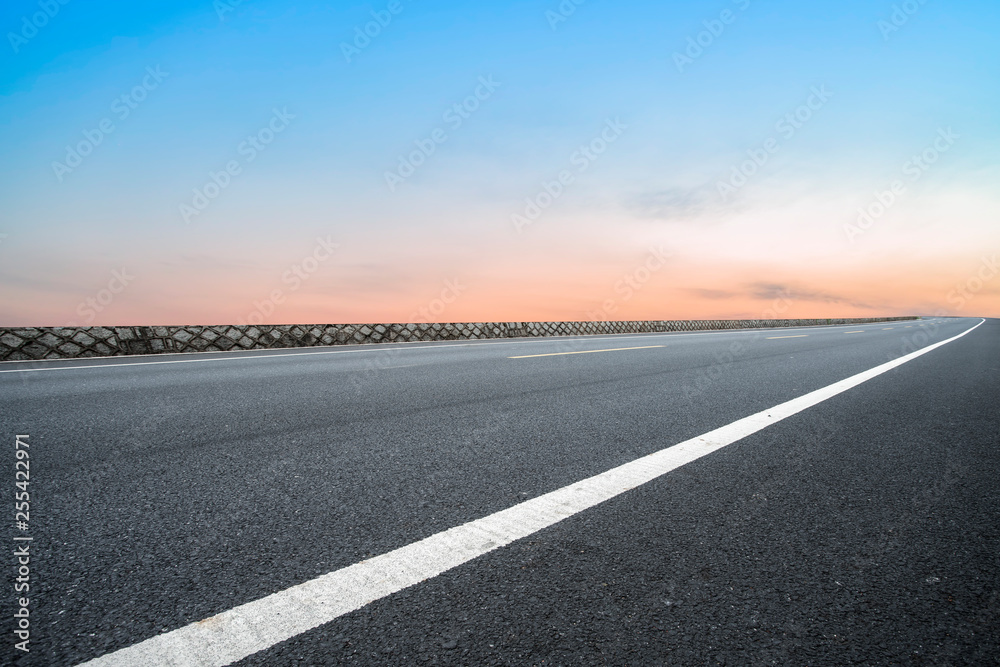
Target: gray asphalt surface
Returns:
[[865, 530]]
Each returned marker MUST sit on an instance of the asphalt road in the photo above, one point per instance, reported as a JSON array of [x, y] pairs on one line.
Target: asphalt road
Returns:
[[862, 530]]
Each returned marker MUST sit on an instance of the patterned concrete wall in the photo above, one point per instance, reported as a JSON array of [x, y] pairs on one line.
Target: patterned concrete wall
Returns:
[[63, 343]]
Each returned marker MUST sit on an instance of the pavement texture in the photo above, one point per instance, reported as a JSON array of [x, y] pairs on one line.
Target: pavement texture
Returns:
[[864, 530]]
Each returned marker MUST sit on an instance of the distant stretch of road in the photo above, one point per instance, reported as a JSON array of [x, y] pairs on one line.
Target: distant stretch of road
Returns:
[[824, 495]]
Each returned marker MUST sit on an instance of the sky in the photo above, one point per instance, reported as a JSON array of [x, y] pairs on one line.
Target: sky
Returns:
[[416, 160]]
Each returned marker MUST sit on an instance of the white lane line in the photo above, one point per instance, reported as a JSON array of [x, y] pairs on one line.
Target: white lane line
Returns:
[[796, 336], [561, 354], [200, 357], [258, 625]]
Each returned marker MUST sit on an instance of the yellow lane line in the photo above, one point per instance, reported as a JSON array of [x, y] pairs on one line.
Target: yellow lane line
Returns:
[[777, 337], [847, 332], [556, 354]]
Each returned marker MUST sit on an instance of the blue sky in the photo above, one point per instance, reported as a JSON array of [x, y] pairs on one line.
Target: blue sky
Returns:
[[558, 84]]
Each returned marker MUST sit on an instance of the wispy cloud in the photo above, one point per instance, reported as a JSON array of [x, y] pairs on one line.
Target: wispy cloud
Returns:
[[766, 291], [675, 204]]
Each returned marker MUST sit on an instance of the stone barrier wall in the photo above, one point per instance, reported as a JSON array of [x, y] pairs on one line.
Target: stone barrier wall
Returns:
[[27, 343]]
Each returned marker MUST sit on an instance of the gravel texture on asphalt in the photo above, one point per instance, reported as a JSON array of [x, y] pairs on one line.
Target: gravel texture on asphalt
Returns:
[[864, 530]]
